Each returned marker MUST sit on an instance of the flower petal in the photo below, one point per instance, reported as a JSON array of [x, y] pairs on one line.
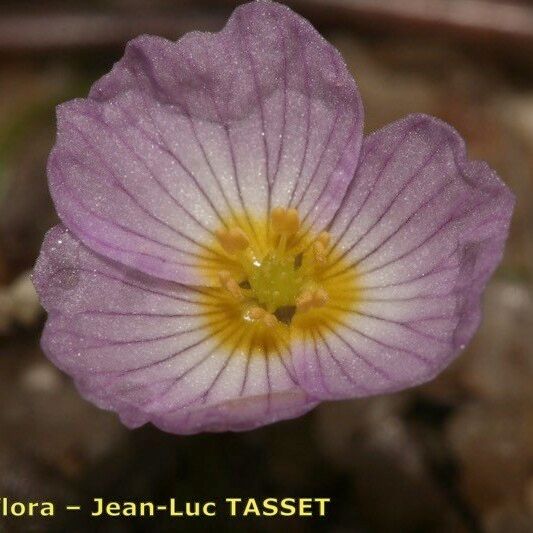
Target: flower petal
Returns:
[[181, 138], [141, 347], [424, 228]]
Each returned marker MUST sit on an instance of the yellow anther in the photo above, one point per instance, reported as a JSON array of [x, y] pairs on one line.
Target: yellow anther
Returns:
[[311, 298], [256, 313], [278, 216], [321, 297], [303, 301], [263, 316], [320, 245], [269, 320], [224, 276], [233, 288], [292, 221], [324, 238], [319, 252], [233, 240], [285, 220], [230, 284]]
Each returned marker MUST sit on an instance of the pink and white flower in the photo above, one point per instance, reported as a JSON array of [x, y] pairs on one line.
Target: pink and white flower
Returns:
[[234, 251]]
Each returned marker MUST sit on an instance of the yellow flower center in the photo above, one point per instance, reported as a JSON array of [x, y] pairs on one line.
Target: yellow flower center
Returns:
[[276, 282]]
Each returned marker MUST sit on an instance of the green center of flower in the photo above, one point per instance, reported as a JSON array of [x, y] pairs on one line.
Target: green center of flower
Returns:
[[276, 281]]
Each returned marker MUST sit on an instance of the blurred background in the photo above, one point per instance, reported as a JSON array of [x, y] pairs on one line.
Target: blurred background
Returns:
[[452, 456]]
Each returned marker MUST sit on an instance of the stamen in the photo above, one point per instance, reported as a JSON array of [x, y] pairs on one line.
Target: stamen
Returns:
[[256, 313], [269, 320], [325, 238], [319, 252], [285, 221], [311, 298], [321, 297], [233, 240], [319, 247], [230, 284], [263, 316]]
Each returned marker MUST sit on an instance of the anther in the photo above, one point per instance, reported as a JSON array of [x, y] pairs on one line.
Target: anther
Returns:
[[320, 245], [285, 221], [324, 238], [319, 252], [230, 284], [321, 297], [256, 313], [269, 320], [263, 316], [311, 298], [233, 240]]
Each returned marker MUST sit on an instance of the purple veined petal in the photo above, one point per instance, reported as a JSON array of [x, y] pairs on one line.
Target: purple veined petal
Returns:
[[182, 138], [140, 347], [424, 228]]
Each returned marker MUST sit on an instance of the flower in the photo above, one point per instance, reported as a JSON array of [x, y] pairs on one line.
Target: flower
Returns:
[[233, 251]]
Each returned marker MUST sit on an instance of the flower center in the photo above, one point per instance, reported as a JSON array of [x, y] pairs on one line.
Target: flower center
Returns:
[[275, 282]]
